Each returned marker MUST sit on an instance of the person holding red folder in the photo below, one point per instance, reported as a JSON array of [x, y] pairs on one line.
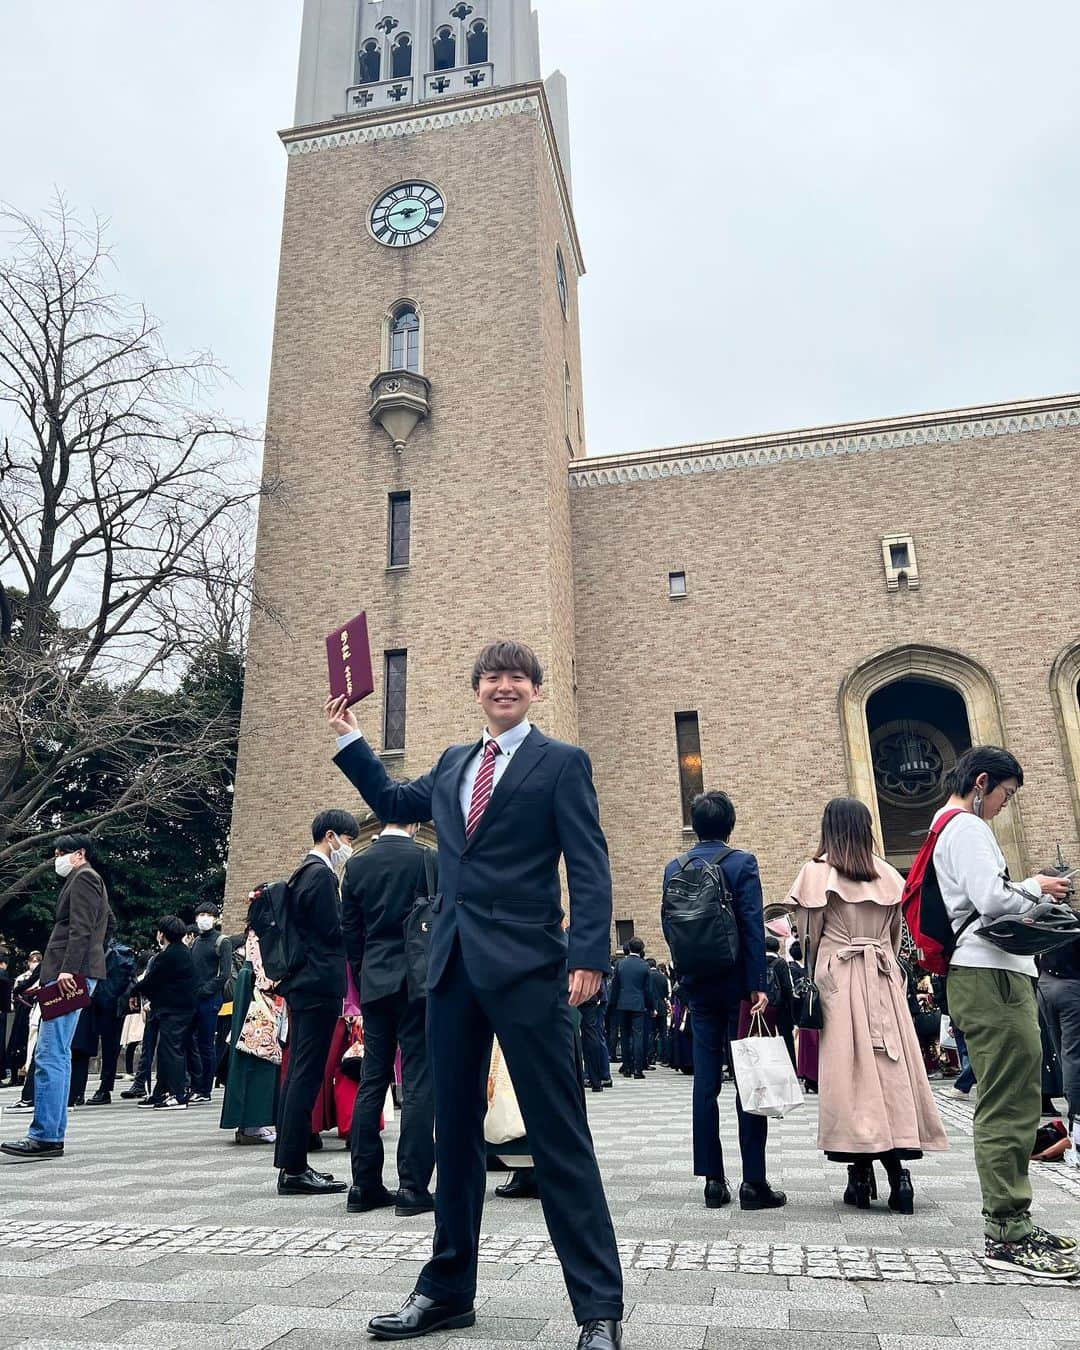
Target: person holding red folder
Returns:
[[506, 809]]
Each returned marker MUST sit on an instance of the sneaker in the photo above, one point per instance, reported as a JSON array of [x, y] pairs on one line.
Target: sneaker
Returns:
[[1030, 1257], [148, 1100], [199, 1099], [958, 1093], [170, 1104], [1051, 1240], [133, 1092], [20, 1106]]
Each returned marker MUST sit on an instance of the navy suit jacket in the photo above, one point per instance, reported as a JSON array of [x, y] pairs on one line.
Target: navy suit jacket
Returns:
[[740, 871], [631, 990], [499, 891]]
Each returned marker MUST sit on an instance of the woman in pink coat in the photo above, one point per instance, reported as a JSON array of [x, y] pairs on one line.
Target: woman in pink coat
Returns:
[[875, 1100]]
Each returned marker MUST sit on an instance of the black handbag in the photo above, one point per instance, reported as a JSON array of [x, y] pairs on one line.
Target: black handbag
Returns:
[[417, 929], [808, 1014]]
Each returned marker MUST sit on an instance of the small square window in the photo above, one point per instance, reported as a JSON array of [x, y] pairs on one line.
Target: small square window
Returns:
[[899, 555], [676, 585], [901, 565]]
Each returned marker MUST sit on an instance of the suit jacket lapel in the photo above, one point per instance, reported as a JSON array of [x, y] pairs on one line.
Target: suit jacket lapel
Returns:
[[524, 759]]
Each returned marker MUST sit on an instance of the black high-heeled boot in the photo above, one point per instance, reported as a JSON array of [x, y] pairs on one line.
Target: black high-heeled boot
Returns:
[[902, 1193], [861, 1186]]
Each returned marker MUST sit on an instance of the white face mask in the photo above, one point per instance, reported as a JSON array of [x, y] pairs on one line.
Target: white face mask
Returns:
[[204, 922], [64, 866], [340, 856]]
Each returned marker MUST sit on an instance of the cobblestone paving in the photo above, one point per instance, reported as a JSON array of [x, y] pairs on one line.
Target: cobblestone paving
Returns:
[[161, 1229]]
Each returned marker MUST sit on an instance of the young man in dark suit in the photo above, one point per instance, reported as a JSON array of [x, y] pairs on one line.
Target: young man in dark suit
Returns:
[[378, 890], [632, 997], [714, 1007], [76, 947], [506, 808], [313, 991]]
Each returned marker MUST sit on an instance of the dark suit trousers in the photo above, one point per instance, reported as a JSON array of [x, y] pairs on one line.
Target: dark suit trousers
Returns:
[[111, 1026], [633, 1042], [388, 1023], [310, 1032], [593, 1043], [714, 1027], [173, 1031], [533, 1022]]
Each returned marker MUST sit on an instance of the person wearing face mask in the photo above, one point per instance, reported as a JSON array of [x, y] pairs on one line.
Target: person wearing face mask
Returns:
[[314, 991], [76, 947], [212, 953]]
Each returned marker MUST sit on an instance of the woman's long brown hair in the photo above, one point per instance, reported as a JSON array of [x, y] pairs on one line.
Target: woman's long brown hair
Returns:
[[847, 836]]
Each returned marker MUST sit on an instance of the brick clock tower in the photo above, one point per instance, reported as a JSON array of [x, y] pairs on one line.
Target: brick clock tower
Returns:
[[425, 397]]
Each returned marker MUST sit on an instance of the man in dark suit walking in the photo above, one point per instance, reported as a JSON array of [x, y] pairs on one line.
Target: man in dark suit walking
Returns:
[[505, 809], [378, 890], [658, 1034], [632, 997], [714, 1007], [313, 990], [76, 947]]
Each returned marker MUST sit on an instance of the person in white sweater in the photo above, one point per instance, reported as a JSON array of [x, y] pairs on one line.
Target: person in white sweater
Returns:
[[992, 1000]]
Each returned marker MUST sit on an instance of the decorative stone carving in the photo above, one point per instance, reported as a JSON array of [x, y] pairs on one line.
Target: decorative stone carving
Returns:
[[400, 400]]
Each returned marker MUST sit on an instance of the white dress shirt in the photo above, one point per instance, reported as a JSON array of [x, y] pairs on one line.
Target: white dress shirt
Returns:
[[509, 743], [314, 853]]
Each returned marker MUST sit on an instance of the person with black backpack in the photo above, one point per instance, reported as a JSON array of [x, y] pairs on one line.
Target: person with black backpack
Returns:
[[713, 919]]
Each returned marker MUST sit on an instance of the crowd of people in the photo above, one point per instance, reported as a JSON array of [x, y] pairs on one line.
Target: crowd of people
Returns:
[[451, 985]]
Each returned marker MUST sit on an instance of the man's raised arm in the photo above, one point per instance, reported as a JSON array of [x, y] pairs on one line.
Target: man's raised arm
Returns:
[[394, 803]]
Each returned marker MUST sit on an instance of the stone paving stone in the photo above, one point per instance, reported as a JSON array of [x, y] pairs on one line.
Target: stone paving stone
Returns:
[[836, 1296], [183, 1336], [1039, 1340], [39, 1305], [498, 1330], [697, 1315], [722, 1338], [1065, 1311], [850, 1320], [645, 1335], [1020, 1329], [133, 1311]]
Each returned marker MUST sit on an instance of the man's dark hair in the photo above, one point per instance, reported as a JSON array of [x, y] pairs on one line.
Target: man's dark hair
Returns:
[[772, 942], [341, 822], [795, 949], [636, 946], [712, 816], [507, 656], [171, 928], [71, 843], [651, 963], [207, 907], [991, 760]]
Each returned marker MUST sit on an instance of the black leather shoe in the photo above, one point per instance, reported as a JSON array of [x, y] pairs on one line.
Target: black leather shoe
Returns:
[[408, 1203], [902, 1195], [600, 1334], [639, 1075], [417, 1316], [596, 1087], [717, 1193], [308, 1183], [31, 1149], [861, 1187], [100, 1098], [760, 1195], [361, 1199], [521, 1186], [607, 1083]]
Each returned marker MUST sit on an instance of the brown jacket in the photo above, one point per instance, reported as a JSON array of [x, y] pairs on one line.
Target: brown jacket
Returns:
[[77, 944]]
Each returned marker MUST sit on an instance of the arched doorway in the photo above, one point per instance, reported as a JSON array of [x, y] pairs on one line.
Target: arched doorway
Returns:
[[909, 708], [1065, 690]]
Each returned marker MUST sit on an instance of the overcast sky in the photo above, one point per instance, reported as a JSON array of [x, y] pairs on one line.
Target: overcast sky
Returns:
[[793, 211]]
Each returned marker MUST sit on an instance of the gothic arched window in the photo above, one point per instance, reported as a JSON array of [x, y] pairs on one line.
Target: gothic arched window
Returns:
[[401, 58], [477, 42], [405, 339], [568, 399], [445, 49], [560, 280], [369, 63]]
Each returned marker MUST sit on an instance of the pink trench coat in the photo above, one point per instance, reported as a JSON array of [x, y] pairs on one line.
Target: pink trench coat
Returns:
[[874, 1093]]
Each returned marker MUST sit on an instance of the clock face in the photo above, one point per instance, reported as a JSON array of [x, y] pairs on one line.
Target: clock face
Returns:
[[407, 214]]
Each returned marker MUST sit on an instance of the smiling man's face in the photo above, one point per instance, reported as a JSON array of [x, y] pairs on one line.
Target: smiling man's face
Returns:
[[506, 697]]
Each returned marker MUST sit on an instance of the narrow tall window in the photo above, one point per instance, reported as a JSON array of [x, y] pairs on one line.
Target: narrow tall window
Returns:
[[676, 585], [369, 63], [399, 527], [568, 401], [477, 43], [394, 711], [401, 57], [624, 930], [405, 340], [560, 280], [445, 49], [688, 746]]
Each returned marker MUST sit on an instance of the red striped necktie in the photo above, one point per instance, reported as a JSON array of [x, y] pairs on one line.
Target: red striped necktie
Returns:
[[481, 793]]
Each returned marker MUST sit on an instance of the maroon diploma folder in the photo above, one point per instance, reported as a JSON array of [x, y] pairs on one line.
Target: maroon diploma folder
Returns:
[[54, 1003], [349, 659]]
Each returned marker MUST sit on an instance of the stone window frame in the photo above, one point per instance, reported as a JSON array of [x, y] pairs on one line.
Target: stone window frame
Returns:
[[893, 573], [387, 324], [1064, 680], [982, 703]]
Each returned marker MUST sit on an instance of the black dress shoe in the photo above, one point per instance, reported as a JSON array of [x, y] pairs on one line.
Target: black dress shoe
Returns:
[[600, 1334], [135, 1091], [861, 1187], [308, 1183], [760, 1195], [717, 1193], [408, 1203], [607, 1083], [902, 1195], [100, 1098], [521, 1186], [417, 1316], [596, 1087], [361, 1199], [32, 1148], [639, 1075]]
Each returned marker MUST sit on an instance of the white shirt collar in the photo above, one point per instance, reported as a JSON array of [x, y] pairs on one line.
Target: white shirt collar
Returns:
[[314, 853], [395, 831], [510, 740]]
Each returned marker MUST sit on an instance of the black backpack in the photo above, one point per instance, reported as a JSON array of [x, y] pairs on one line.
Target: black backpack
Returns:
[[698, 918], [110, 992], [417, 929], [270, 916]]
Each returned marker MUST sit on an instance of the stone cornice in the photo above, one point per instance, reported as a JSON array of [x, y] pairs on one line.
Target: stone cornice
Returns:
[[528, 99], [854, 438]]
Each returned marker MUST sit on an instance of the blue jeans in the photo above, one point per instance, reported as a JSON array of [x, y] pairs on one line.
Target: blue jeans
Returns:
[[965, 1080], [52, 1076], [206, 1015]]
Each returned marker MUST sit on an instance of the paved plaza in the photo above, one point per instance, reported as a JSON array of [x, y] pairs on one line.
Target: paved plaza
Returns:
[[159, 1231]]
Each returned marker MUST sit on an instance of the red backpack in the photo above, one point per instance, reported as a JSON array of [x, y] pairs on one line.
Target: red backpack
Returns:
[[924, 908]]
